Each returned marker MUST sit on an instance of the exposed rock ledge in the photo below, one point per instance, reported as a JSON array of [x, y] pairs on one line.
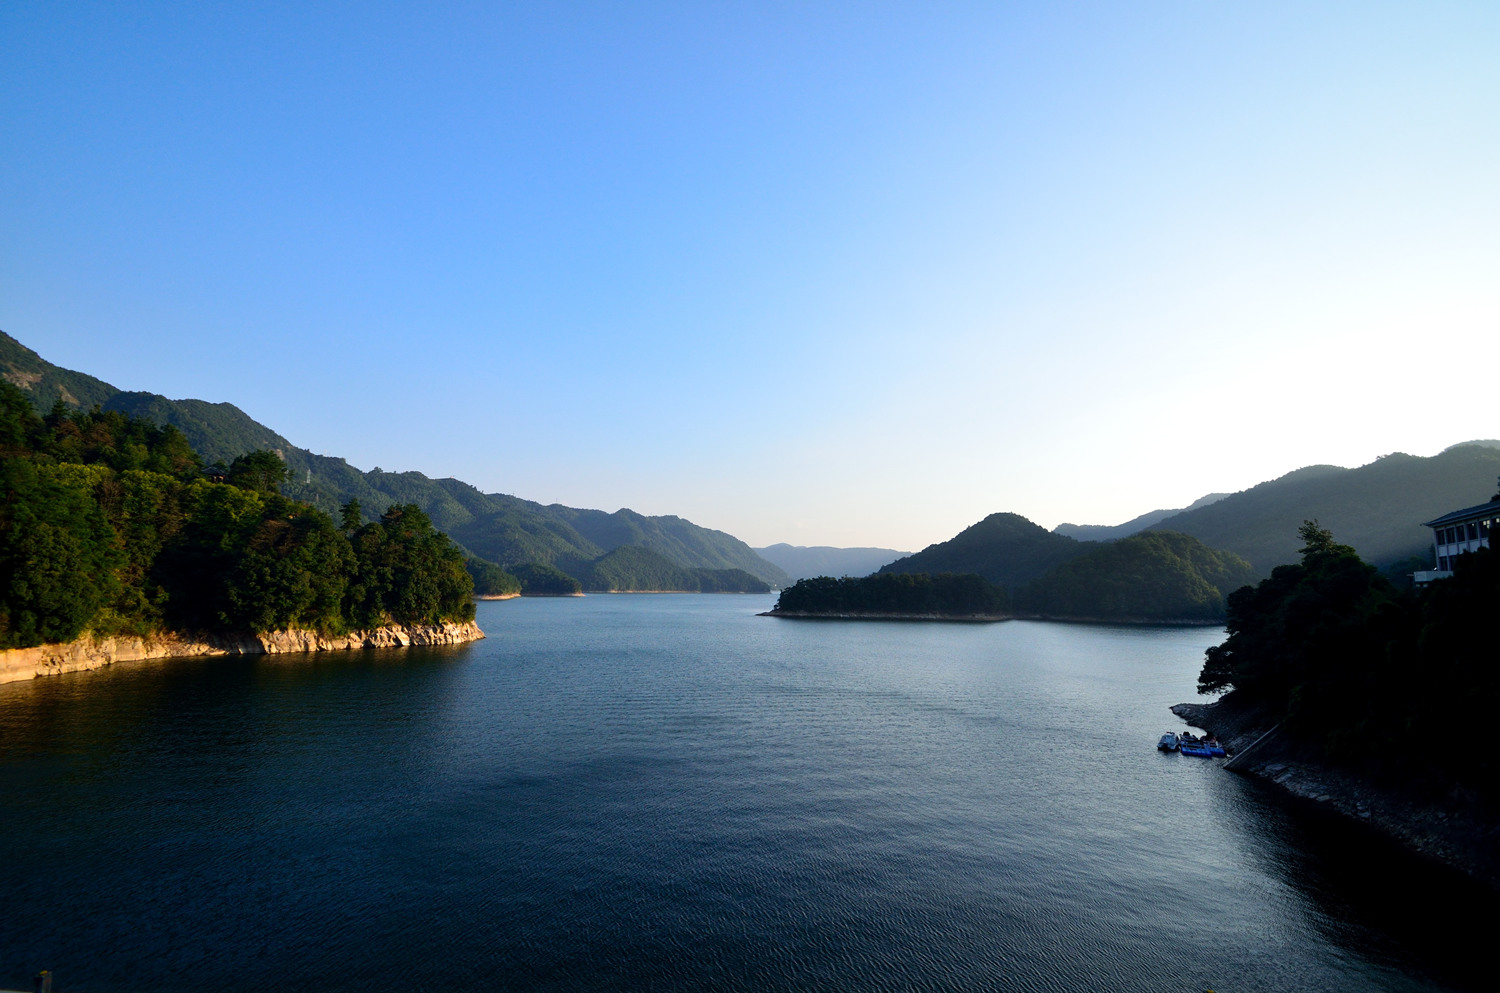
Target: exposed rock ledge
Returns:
[[1454, 827], [88, 653]]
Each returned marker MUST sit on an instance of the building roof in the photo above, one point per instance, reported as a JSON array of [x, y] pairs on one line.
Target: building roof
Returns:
[[1482, 510]]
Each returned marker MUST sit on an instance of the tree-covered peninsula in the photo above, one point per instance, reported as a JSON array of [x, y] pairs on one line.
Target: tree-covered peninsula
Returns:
[[1154, 578], [112, 525], [909, 595], [1362, 673]]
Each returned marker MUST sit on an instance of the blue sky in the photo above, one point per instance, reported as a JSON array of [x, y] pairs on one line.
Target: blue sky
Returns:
[[851, 274]]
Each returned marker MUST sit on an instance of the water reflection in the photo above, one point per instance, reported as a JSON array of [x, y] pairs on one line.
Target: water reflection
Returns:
[[621, 793]]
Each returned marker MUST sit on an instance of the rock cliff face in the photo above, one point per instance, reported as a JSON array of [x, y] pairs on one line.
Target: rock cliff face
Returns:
[[87, 653]]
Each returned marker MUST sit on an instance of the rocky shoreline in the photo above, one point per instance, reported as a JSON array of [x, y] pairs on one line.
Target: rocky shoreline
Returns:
[[89, 653], [1455, 828]]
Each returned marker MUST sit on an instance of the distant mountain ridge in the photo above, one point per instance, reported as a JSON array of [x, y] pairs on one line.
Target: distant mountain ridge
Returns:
[[805, 561], [1107, 532], [1377, 508], [499, 528]]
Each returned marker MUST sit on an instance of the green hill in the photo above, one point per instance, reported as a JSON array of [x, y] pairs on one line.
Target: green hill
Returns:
[[1377, 508], [1005, 549], [1153, 576], [632, 568], [110, 525], [494, 527]]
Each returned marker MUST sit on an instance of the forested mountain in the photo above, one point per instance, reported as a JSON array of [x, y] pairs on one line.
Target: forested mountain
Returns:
[[497, 528], [1152, 576], [109, 525], [1155, 577], [1005, 549], [1108, 532], [1378, 509], [633, 568], [803, 561]]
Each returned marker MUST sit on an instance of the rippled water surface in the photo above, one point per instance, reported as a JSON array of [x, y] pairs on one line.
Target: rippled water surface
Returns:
[[669, 793]]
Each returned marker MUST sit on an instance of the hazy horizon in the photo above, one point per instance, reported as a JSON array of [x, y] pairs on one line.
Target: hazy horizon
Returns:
[[804, 273]]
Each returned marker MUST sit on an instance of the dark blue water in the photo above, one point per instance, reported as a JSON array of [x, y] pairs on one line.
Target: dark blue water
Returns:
[[669, 793]]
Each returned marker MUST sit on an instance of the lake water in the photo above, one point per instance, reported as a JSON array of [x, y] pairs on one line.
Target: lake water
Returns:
[[670, 793]]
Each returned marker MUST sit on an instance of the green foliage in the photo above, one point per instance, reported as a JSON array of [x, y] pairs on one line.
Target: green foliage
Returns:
[[943, 595], [1376, 508], [491, 580], [107, 525], [632, 567], [540, 579], [1368, 672], [1305, 620], [496, 527], [57, 554], [1005, 549], [729, 581], [20, 427], [638, 569], [1151, 576], [261, 471], [409, 572]]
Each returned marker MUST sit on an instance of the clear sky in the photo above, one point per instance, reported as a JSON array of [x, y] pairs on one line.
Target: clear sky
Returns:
[[840, 273]]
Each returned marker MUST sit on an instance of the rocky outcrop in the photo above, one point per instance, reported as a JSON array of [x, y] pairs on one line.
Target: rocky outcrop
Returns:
[[89, 653], [1451, 825]]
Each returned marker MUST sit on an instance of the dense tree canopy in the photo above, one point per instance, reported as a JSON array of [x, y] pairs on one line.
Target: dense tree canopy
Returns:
[[943, 595], [1151, 576], [1369, 672], [539, 579], [635, 568], [490, 580], [108, 524]]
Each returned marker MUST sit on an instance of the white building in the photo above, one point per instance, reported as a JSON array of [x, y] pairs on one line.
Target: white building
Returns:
[[1454, 534]]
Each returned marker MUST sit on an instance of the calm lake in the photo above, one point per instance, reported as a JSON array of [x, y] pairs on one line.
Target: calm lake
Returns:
[[670, 793]]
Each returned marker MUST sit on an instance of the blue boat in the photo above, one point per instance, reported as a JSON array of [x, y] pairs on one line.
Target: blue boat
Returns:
[[1206, 747]]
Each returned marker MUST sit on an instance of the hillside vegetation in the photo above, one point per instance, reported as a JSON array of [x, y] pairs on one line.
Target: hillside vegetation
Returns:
[[631, 568], [1369, 674], [108, 525], [1005, 549], [1154, 576], [894, 594], [1377, 509], [496, 528]]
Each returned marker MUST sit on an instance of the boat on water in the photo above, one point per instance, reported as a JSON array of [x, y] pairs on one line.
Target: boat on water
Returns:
[[1205, 747], [1168, 742]]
